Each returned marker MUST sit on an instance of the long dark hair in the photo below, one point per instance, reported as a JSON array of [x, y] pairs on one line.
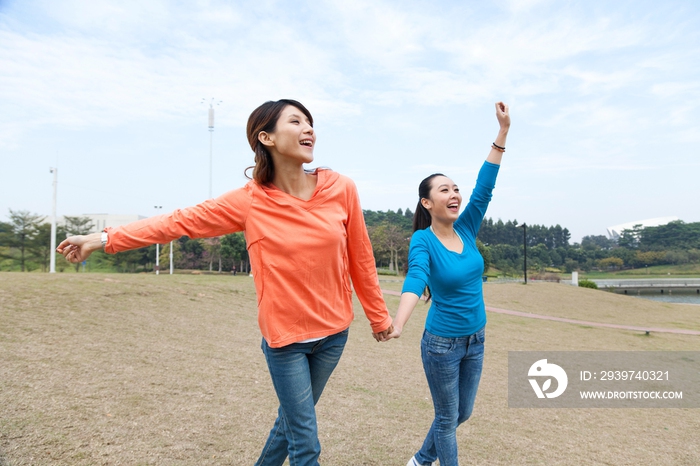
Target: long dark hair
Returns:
[[264, 118], [422, 218]]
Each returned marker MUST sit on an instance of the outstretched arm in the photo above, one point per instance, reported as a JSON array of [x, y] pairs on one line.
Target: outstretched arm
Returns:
[[503, 116], [213, 217]]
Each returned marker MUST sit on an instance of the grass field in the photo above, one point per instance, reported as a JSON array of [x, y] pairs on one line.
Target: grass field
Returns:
[[167, 370]]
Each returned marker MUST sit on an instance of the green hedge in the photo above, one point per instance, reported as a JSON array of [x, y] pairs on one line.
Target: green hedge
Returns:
[[587, 284]]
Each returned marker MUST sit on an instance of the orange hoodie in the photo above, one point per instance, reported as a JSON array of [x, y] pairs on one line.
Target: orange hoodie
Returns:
[[302, 253]]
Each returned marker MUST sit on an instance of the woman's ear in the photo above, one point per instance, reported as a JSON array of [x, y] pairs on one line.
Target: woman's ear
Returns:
[[266, 138], [426, 203]]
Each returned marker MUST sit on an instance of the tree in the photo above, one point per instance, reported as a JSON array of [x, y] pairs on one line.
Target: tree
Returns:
[[570, 265], [6, 233], [23, 230], [629, 238], [677, 257], [674, 235], [552, 237], [212, 247], [6, 236], [77, 225], [538, 257], [165, 253], [127, 261], [233, 248], [613, 263], [597, 241], [485, 254], [556, 258], [192, 253], [649, 258], [40, 245], [562, 236], [391, 238], [627, 255], [506, 257]]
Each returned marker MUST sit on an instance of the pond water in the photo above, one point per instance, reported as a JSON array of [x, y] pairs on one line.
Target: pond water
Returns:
[[684, 298]]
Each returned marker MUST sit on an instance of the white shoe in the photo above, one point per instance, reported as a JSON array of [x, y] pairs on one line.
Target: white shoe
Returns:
[[413, 462]]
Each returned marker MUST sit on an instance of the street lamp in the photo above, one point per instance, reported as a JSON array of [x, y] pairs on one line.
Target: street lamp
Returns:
[[211, 139], [157, 207], [52, 262], [524, 226]]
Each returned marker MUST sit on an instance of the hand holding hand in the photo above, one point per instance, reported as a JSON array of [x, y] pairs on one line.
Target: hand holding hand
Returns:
[[395, 334], [388, 334], [382, 336]]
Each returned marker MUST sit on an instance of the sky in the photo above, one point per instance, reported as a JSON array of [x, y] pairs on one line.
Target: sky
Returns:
[[604, 99]]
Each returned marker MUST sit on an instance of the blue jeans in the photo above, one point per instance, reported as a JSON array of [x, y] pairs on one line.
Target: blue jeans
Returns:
[[453, 369], [299, 374]]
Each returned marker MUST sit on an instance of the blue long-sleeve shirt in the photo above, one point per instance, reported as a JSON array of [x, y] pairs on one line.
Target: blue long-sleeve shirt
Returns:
[[454, 279]]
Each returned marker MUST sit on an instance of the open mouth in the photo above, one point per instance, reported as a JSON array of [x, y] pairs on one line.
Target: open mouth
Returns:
[[307, 143]]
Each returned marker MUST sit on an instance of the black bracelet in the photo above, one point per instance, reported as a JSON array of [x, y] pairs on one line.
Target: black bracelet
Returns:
[[499, 147]]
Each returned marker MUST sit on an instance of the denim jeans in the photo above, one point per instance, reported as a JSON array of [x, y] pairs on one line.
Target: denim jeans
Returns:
[[299, 374], [453, 369]]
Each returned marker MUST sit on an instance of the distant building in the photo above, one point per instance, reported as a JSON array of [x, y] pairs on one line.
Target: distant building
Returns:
[[102, 221], [615, 232]]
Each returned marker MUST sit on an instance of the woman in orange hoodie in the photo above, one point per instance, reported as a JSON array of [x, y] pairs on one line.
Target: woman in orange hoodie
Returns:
[[306, 238]]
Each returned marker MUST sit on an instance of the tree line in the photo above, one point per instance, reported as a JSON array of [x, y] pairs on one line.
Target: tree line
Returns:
[[25, 246], [500, 243], [549, 248]]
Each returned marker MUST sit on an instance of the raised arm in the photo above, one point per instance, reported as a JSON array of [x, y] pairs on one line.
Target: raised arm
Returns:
[[479, 200], [499, 144]]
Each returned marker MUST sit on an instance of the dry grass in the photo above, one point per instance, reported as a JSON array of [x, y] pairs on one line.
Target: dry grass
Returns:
[[146, 370], [592, 305]]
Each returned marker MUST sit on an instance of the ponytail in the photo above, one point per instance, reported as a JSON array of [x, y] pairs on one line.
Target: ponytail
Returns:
[[421, 217]]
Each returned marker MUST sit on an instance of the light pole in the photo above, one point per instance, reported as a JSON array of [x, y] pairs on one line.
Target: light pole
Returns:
[[52, 267], [157, 207], [211, 140], [524, 251]]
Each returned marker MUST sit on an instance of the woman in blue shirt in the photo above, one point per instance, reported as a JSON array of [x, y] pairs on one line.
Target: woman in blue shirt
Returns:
[[443, 258]]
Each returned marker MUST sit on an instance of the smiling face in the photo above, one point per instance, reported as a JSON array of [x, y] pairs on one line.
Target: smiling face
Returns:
[[444, 200], [293, 137]]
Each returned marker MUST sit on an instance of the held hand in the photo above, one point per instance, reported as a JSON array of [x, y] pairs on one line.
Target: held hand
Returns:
[[395, 334], [78, 248], [503, 115], [382, 336]]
